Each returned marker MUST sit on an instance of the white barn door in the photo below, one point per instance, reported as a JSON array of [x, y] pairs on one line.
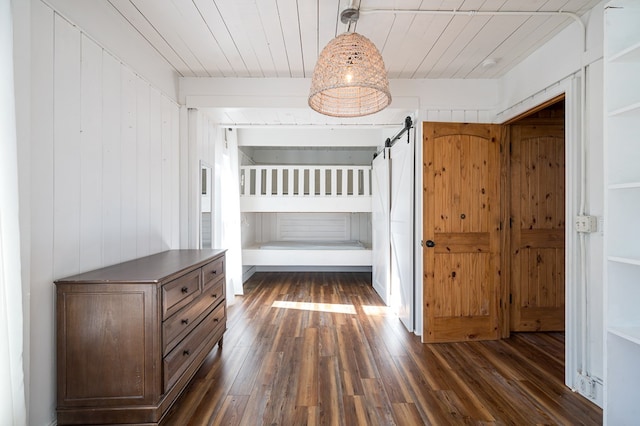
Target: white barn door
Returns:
[[401, 230], [381, 247]]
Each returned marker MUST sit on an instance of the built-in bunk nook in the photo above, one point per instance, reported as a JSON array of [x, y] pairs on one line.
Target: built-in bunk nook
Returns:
[[300, 210], [307, 215]]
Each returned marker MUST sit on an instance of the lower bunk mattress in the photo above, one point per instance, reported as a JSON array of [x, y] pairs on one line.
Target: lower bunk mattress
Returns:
[[308, 253]]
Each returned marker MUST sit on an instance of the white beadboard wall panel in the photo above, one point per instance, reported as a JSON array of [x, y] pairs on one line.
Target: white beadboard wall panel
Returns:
[[99, 133], [186, 132], [471, 117], [106, 26], [268, 227], [91, 154], [565, 62], [155, 171], [143, 169], [109, 133], [595, 206], [272, 137], [128, 169], [171, 114], [189, 157], [42, 381], [168, 191], [66, 135], [361, 227], [111, 164]]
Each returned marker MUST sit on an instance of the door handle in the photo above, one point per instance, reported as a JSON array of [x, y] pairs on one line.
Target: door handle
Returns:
[[430, 243]]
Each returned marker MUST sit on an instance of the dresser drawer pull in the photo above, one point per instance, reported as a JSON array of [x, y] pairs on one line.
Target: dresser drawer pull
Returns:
[[216, 319], [185, 290], [185, 321], [186, 352], [214, 272], [215, 295]]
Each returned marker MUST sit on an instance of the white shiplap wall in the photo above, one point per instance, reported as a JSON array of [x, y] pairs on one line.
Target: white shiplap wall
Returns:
[[104, 175], [108, 160]]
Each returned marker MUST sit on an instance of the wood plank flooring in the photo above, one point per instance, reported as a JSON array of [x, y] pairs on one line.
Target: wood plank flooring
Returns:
[[321, 349]]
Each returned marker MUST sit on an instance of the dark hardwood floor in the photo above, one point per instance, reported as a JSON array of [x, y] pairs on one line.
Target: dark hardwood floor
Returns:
[[320, 348]]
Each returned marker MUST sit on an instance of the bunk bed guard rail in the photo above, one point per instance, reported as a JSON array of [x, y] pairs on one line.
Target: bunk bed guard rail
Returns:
[[263, 185]]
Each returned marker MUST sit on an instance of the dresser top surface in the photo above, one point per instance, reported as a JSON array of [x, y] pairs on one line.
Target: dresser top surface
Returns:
[[150, 269]]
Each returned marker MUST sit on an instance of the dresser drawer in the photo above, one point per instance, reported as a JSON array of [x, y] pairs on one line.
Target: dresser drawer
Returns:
[[213, 272], [180, 292], [179, 359], [214, 292], [177, 326]]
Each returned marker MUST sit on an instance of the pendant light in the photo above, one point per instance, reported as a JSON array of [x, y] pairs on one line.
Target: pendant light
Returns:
[[349, 79]]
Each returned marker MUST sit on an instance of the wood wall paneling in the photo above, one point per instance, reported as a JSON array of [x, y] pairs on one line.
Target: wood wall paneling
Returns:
[[41, 343], [104, 178], [111, 165], [128, 187], [66, 103], [90, 154], [156, 182], [142, 168]]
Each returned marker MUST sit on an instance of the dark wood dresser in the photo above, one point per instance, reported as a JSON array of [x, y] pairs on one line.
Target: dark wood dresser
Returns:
[[131, 336]]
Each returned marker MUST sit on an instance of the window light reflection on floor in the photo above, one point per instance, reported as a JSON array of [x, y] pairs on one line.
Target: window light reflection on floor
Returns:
[[376, 310], [320, 307], [336, 308]]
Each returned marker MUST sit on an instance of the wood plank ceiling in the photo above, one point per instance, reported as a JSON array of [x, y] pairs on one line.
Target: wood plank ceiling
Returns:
[[283, 38]]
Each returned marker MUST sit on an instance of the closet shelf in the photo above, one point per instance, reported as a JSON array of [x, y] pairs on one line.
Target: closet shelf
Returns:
[[629, 110], [630, 333], [628, 185], [624, 260], [630, 54]]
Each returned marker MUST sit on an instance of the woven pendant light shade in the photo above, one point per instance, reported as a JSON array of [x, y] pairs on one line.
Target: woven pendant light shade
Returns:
[[350, 79]]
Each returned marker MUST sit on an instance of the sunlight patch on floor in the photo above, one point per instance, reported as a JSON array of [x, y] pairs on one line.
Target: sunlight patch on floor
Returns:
[[335, 308], [320, 307], [377, 310]]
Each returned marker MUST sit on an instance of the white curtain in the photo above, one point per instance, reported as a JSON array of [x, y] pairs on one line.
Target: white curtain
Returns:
[[12, 399], [231, 237]]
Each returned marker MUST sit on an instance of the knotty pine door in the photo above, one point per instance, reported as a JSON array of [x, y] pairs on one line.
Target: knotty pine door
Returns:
[[461, 253], [537, 224]]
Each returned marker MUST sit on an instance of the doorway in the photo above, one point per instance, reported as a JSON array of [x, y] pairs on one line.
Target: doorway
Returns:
[[536, 220]]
